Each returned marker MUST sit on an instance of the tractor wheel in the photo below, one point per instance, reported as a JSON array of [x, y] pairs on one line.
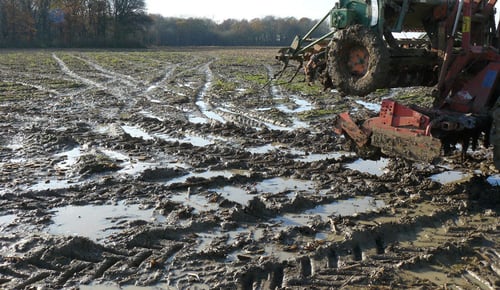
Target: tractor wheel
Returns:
[[495, 133], [358, 61]]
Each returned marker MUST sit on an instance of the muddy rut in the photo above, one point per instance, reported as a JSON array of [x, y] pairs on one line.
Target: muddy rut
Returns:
[[188, 169]]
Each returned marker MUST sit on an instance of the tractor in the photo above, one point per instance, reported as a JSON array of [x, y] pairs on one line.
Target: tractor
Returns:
[[455, 51]]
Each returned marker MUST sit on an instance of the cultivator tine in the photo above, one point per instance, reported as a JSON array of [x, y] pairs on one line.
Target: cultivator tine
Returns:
[[276, 76], [296, 72], [285, 60], [285, 55], [281, 71]]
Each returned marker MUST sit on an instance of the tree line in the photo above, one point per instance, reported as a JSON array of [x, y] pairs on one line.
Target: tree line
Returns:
[[267, 31], [125, 23]]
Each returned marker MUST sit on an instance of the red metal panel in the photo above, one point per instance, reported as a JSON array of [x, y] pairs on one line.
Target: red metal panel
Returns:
[[396, 115]]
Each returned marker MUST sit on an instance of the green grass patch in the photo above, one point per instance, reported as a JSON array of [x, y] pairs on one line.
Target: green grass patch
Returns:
[[257, 79], [223, 86], [418, 98], [13, 91], [315, 114], [303, 88]]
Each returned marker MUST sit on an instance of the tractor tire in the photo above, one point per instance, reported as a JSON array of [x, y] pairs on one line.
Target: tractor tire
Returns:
[[358, 61], [495, 133]]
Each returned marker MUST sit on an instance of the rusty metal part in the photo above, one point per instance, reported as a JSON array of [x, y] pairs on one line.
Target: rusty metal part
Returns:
[[398, 143], [411, 140], [395, 114], [345, 125], [402, 131], [358, 61]]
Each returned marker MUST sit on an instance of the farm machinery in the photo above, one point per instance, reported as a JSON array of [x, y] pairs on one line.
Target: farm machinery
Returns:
[[455, 51]]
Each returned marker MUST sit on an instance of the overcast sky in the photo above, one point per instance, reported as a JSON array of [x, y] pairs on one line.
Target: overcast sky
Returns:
[[219, 10]]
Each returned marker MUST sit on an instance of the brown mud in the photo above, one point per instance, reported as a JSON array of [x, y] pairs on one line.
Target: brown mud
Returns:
[[185, 169]]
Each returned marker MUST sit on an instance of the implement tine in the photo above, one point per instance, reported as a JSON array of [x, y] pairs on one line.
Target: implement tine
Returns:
[[296, 72], [278, 74]]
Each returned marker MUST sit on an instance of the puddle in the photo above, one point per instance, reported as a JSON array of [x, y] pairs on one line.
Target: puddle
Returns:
[[155, 101], [244, 194], [196, 141], [6, 220], [279, 184], [211, 115], [17, 160], [263, 149], [450, 177], [198, 202], [279, 254], [494, 180], [150, 88], [137, 168], [296, 125], [14, 143], [439, 276], [319, 157], [302, 106], [197, 120], [14, 146], [370, 106], [115, 155], [111, 286], [71, 158], [53, 184], [369, 166], [234, 237], [206, 239], [207, 175], [348, 207], [274, 147], [109, 129], [129, 167], [95, 222], [235, 194], [303, 156], [202, 105], [137, 132], [151, 115]]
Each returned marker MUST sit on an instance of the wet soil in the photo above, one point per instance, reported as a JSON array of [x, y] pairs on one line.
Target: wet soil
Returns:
[[187, 169]]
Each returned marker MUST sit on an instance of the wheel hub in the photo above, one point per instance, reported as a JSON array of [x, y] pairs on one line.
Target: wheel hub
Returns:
[[358, 60]]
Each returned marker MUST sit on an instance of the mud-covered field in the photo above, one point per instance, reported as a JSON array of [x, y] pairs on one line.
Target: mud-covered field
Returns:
[[186, 169]]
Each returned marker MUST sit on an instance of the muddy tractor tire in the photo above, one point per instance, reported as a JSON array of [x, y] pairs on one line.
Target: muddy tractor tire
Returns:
[[495, 133], [358, 61]]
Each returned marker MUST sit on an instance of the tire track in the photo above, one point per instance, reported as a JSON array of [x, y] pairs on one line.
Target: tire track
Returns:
[[222, 215], [126, 95], [66, 70], [204, 107], [125, 79]]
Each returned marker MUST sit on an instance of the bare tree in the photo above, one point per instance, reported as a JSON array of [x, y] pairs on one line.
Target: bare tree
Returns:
[[129, 18]]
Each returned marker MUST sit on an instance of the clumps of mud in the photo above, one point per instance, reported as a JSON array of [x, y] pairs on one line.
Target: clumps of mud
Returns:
[[125, 175]]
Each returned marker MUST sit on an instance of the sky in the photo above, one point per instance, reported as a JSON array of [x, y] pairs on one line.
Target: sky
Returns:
[[219, 10]]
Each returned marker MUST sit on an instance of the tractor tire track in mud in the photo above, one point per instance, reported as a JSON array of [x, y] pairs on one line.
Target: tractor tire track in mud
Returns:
[[66, 70], [115, 177]]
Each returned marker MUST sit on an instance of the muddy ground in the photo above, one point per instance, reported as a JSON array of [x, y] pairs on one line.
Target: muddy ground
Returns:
[[185, 169]]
